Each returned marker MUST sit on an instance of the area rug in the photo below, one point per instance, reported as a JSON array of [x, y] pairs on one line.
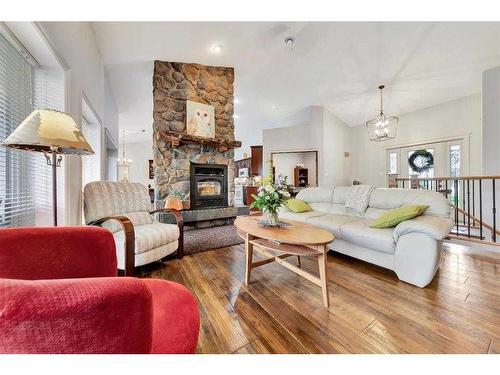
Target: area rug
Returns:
[[198, 240]]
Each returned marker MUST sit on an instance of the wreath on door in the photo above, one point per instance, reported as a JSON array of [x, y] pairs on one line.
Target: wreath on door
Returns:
[[421, 161]]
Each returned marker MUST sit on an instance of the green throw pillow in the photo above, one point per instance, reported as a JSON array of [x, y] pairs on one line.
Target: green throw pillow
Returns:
[[297, 205], [394, 217]]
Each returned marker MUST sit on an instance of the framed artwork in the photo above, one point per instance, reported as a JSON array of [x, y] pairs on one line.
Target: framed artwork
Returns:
[[151, 169], [200, 119]]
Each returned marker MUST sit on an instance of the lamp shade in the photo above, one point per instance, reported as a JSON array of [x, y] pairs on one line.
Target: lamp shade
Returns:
[[47, 130]]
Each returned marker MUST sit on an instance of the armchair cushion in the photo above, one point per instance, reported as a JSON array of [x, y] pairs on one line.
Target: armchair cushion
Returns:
[[137, 218], [434, 226], [106, 198], [149, 236]]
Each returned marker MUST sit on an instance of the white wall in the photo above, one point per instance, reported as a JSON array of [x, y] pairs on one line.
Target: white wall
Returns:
[[491, 137], [75, 44], [294, 138], [491, 122], [456, 118], [245, 132], [140, 153], [336, 141], [321, 131]]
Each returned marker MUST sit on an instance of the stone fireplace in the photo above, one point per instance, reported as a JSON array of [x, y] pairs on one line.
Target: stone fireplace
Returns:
[[176, 152]]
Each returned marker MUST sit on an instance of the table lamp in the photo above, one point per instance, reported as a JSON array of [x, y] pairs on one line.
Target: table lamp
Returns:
[[54, 133]]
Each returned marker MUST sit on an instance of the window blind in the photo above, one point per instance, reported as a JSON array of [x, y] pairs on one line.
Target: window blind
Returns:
[[25, 177], [48, 93], [16, 167]]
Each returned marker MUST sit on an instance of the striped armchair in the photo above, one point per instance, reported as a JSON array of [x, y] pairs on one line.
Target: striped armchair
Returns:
[[125, 209]]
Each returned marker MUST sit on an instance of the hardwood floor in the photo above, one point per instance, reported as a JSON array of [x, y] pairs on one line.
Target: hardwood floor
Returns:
[[370, 310]]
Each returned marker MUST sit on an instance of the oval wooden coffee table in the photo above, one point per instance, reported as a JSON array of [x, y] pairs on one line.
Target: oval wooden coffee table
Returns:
[[295, 239]]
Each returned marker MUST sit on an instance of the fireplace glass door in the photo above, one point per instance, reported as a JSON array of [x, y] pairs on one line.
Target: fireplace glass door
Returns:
[[209, 188]]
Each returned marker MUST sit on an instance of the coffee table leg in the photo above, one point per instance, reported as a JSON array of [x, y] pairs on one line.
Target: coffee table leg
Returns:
[[249, 258], [298, 261], [322, 276]]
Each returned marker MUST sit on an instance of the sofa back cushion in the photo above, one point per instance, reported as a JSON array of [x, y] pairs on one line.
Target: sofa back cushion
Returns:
[[316, 194], [340, 194], [332, 200], [388, 199], [319, 198]]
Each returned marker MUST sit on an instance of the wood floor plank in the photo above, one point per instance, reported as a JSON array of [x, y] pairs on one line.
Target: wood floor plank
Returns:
[[411, 314], [254, 347], [268, 331], [370, 311], [494, 347], [306, 332], [221, 332]]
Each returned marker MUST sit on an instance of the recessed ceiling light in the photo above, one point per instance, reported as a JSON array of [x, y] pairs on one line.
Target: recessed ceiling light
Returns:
[[216, 49], [235, 116], [273, 107], [236, 101], [289, 42]]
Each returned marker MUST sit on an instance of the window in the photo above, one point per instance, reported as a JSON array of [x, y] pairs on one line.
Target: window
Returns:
[[25, 178], [455, 159], [92, 131], [393, 163], [91, 166], [16, 167]]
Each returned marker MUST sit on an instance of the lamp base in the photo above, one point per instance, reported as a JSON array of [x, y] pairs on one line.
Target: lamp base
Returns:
[[54, 160]]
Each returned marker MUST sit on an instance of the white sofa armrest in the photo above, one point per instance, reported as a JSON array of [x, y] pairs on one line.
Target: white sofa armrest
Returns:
[[433, 226]]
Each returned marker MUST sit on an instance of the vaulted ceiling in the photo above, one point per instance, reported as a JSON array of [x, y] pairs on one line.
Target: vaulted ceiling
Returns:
[[335, 64]]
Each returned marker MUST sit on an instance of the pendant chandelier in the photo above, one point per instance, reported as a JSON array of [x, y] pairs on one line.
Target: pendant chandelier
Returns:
[[123, 161], [382, 127]]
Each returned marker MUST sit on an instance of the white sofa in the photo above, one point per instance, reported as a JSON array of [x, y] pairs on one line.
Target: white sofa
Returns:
[[412, 249]]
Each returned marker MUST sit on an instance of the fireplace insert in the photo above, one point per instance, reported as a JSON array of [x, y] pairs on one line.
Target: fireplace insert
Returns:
[[208, 186]]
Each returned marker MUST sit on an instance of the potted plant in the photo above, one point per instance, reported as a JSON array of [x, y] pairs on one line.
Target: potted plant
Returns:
[[174, 200], [270, 197]]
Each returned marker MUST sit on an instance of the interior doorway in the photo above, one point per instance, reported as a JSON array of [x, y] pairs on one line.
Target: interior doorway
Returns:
[[300, 167]]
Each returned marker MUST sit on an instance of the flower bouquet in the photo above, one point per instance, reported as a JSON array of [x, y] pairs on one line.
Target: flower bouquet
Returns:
[[270, 197]]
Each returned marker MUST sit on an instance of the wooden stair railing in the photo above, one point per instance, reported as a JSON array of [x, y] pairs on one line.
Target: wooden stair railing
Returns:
[[467, 196]]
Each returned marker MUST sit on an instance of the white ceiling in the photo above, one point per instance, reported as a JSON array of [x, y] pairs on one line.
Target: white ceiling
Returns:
[[335, 64]]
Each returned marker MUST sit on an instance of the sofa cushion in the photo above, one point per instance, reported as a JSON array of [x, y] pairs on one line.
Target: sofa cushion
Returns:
[[297, 205], [373, 213], [316, 194], [338, 209], [340, 194], [150, 236], [302, 217], [324, 207], [387, 199], [359, 233], [332, 222], [393, 217]]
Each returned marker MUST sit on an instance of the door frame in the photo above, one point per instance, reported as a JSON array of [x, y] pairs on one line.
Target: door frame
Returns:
[[446, 141]]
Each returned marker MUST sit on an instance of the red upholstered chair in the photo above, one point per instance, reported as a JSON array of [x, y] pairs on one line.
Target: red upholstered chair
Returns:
[[59, 294]]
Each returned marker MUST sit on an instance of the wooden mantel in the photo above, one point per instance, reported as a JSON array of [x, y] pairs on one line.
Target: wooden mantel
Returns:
[[177, 139]]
